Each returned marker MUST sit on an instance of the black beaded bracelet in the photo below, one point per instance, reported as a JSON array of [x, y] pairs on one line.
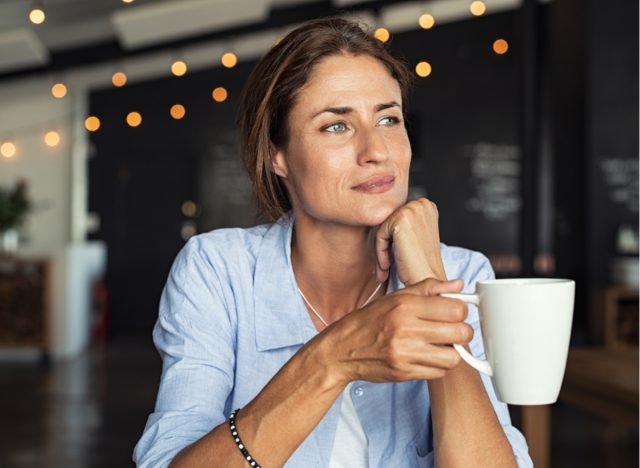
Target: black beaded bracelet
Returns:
[[238, 441]]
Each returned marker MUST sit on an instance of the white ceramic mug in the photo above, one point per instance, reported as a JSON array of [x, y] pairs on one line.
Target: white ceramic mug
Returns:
[[526, 326]]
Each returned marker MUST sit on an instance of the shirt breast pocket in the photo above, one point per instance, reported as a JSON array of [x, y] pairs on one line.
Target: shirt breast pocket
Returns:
[[421, 449], [420, 460]]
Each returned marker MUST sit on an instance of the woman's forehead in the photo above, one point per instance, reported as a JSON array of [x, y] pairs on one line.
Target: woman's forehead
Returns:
[[340, 77]]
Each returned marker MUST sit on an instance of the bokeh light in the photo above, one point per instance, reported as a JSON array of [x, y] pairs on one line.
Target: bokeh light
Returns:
[[179, 68], [426, 21], [177, 111], [8, 149], [219, 94], [382, 34], [119, 79], [423, 69], [134, 119], [189, 208], [37, 16], [477, 8], [52, 138], [92, 123], [59, 90], [500, 46], [229, 60]]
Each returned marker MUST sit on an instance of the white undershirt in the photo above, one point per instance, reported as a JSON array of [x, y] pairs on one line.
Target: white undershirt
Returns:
[[350, 447]]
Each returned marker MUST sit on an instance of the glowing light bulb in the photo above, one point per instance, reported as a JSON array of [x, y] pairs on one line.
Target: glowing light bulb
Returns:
[[219, 94], [177, 111], [382, 34], [92, 123], [8, 149], [37, 15], [179, 68], [426, 21], [500, 46], [59, 90], [423, 69], [134, 119], [477, 8], [52, 138], [229, 60], [119, 79]]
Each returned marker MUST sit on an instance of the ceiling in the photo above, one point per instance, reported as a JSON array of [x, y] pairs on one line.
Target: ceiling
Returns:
[[73, 25], [79, 33]]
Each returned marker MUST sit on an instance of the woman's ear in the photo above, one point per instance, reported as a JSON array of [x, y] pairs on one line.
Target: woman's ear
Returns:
[[278, 161]]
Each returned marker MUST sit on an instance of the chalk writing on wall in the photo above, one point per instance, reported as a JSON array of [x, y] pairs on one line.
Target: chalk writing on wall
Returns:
[[620, 175], [224, 184], [495, 180]]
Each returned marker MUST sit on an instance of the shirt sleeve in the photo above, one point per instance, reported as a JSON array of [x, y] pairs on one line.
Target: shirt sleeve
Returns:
[[482, 270], [194, 337]]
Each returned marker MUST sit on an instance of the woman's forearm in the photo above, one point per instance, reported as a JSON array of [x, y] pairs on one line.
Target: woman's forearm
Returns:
[[466, 429], [278, 420]]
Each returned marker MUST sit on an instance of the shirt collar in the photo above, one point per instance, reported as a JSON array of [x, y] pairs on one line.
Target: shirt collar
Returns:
[[280, 316]]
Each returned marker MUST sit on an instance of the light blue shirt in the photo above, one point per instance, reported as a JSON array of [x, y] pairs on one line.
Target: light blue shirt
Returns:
[[231, 316]]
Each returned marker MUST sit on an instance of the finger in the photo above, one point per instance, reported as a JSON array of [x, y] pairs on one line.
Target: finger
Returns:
[[434, 287], [443, 309], [381, 275], [418, 362], [436, 356], [446, 333], [439, 287], [421, 332], [429, 308], [384, 237]]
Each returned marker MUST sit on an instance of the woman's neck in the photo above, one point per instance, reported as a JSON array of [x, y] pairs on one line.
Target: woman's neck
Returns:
[[334, 266]]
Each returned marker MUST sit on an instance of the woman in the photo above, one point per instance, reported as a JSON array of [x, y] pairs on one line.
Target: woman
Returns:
[[325, 328]]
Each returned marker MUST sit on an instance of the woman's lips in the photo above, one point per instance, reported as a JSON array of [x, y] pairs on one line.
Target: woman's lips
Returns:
[[377, 184]]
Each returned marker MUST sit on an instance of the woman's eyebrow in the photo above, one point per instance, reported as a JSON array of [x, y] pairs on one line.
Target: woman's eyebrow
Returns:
[[345, 109], [387, 105]]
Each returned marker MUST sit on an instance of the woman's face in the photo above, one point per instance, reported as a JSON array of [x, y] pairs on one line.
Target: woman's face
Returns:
[[348, 154]]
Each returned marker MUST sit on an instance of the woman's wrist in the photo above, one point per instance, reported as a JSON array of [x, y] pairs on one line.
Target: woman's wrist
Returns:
[[323, 353]]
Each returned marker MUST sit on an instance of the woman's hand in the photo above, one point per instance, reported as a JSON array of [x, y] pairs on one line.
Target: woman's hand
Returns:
[[403, 336], [412, 234]]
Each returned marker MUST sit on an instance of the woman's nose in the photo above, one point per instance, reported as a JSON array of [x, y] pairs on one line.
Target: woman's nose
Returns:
[[372, 147]]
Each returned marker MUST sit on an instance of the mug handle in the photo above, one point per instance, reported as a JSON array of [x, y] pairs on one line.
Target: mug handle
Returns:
[[478, 364]]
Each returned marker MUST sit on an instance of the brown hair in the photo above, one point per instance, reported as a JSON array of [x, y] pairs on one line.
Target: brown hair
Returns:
[[271, 90]]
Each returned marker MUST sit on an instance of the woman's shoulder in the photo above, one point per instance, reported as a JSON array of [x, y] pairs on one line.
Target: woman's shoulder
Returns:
[[460, 254], [227, 243], [232, 237], [465, 264]]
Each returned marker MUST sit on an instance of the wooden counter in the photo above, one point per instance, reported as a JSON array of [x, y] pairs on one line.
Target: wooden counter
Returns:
[[24, 303], [601, 380]]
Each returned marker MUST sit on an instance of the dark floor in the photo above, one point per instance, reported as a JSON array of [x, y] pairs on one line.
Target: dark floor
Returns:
[[89, 413]]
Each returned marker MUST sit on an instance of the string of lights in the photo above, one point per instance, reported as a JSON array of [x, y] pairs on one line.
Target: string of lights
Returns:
[[179, 68], [38, 16]]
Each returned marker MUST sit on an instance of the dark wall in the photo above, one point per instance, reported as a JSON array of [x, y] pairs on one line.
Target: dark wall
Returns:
[[140, 177], [611, 129], [593, 81]]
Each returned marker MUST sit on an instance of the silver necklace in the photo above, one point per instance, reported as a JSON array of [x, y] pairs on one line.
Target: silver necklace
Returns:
[[324, 322]]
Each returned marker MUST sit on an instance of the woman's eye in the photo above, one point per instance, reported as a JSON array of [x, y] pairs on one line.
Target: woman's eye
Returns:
[[336, 127], [389, 120]]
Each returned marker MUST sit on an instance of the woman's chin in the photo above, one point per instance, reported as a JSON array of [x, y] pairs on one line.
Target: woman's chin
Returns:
[[379, 214]]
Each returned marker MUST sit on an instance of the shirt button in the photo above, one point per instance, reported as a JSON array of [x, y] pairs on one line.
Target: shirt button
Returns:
[[358, 391]]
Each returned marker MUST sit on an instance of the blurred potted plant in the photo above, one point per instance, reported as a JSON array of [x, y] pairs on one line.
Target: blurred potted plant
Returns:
[[14, 207]]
